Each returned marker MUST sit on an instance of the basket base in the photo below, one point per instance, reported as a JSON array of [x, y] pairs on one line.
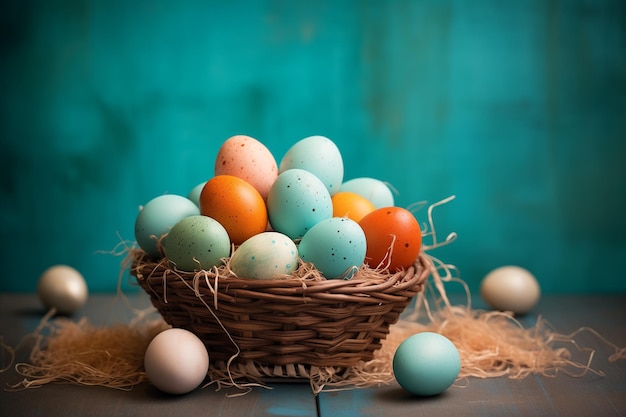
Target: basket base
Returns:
[[244, 375]]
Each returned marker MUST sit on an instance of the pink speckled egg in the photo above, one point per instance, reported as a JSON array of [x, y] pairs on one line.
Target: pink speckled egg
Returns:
[[245, 157]]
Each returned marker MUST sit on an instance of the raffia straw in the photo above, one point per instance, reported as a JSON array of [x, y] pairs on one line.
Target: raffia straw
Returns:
[[78, 352], [491, 344]]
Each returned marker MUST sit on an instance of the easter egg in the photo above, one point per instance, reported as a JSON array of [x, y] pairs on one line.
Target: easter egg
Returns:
[[373, 189], [318, 155], [351, 205], [63, 288], [157, 217], [426, 364], [393, 237], [264, 256], [297, 201], [247, 158], [196, 243], [194, 194], [236, 204], [335, 246], [176, 361], [510, 288]]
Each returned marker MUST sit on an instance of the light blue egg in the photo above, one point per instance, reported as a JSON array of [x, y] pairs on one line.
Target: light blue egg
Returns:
[[336, 247], [297, 201], [194, 194], [318, 155], [157, 217], [265, 255], [376, 191], [196, 243], [426, 364]]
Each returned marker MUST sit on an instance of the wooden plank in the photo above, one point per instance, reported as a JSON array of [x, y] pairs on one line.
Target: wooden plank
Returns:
[[20, 314], [562, 395]]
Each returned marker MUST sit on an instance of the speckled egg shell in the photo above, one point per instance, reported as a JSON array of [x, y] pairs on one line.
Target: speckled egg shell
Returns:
[[264, 256], [335, 246], [247, 158], [297, 201], [157, 217], [196, 243]]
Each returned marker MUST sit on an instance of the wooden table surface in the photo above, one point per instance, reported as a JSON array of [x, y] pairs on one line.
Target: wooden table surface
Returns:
[[563, 395]]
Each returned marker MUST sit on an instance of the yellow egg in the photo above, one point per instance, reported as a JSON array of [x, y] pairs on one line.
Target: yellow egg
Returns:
[[351, 205]]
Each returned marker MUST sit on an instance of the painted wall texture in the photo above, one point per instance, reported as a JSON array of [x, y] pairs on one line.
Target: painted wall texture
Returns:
[[517, 108]]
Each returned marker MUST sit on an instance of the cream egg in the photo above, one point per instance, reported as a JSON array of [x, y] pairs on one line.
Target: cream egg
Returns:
[[510, 288], [176, 361], [63, 288], [265, 256]]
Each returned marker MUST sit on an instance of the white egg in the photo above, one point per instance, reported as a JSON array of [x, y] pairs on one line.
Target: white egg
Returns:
[[176, 361], [510, 288], [62, 287]]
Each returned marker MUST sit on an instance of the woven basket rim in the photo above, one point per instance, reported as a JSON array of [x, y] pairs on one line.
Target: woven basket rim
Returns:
[[364, 280]]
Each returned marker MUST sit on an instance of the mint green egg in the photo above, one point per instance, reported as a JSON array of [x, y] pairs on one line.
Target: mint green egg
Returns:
[[297, 201], [157, 217], [426, 364], [335, 246], [376, 191], [196, 243], [318, 155]]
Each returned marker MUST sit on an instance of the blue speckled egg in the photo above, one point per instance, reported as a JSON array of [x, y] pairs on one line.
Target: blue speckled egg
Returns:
[[157, 217], [264, 256], [297, 201], [335, 246], [426, 364], [318, 155], [196, 243]]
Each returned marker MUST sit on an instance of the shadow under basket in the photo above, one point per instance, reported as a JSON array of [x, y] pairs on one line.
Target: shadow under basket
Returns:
[[311, 322]]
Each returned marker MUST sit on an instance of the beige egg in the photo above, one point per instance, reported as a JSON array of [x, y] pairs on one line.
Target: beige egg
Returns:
[[176, 361], [245, 157], [62, 287], [510, 288]]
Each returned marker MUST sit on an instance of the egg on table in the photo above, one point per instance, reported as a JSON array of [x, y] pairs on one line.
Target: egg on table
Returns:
[[176, 361], [426, 364], [63, 288], [510, 288]]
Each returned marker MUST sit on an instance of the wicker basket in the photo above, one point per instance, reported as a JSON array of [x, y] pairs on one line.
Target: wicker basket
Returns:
[[292, 321]]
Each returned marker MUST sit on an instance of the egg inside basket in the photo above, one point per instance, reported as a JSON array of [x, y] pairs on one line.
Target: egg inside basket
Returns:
[[300, 320]]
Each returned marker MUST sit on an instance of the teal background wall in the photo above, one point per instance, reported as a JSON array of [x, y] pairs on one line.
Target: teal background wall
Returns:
[[517, 108]]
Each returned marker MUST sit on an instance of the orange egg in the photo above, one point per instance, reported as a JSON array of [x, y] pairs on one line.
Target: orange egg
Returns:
[[351, 205], [394, 238], [236, 205]]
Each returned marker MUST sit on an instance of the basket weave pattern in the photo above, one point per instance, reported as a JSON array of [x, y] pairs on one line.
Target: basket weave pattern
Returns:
[[283, 321]]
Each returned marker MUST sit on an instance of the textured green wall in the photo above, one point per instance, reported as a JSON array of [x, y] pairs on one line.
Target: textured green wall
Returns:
[[517, 108]]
